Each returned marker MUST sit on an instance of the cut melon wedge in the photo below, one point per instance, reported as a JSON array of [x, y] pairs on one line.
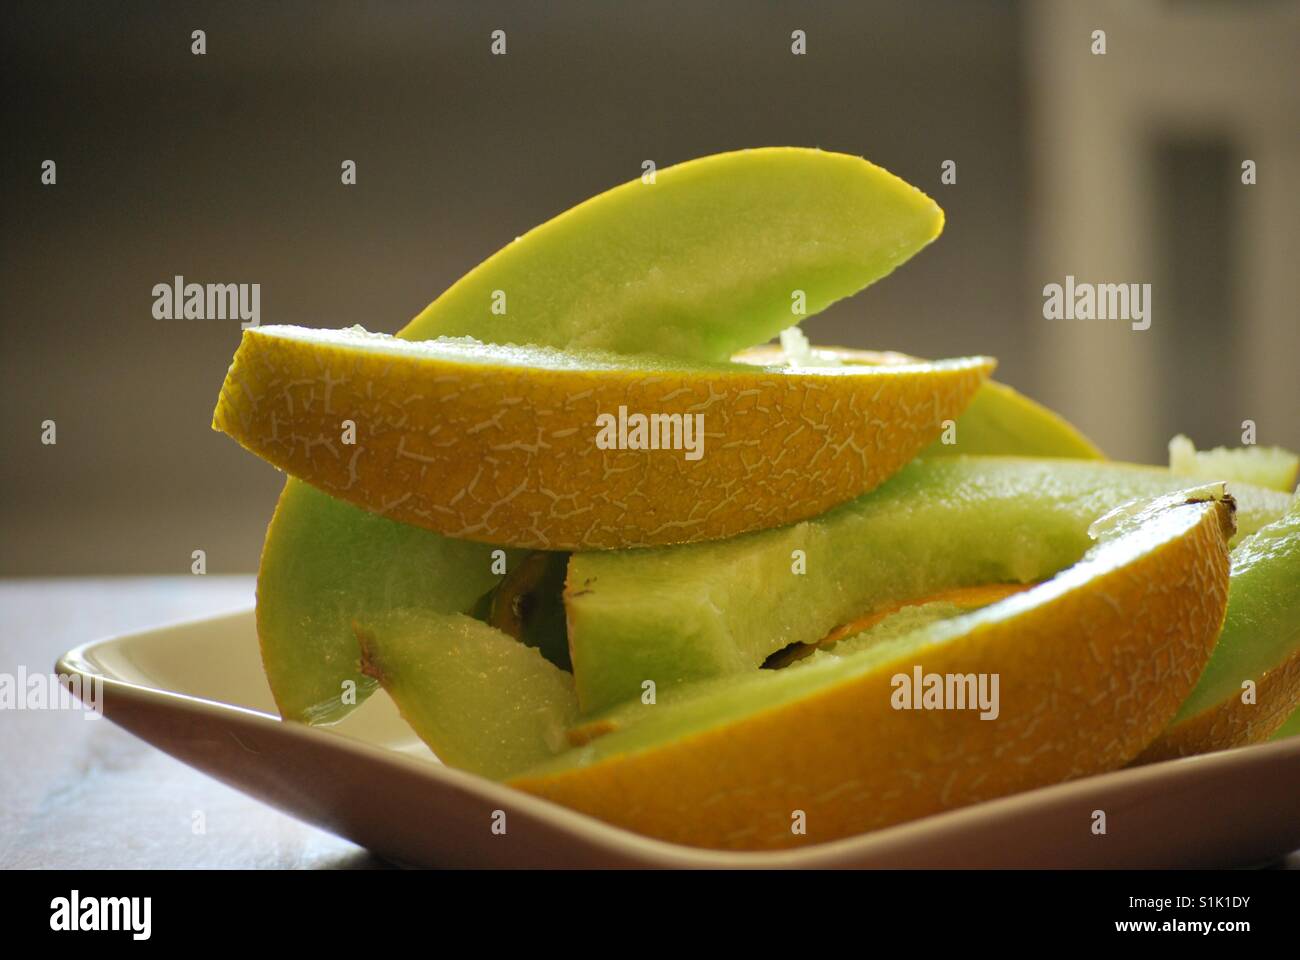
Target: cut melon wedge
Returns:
[[1271, 467], [676, 614], [324, 563], [1252, 683], [1090, 666], [479, 698], [717, 254], [512, 445]]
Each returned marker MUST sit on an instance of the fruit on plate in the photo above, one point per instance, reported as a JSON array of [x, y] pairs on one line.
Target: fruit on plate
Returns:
[[1252, 683], [1270, 467], [716, 255], [322, 563], [504, 444], [739, 761], [727, 657], [670, 615], [485, 702]]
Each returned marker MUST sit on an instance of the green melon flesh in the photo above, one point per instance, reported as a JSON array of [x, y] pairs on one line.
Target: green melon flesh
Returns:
[[1262, 626], [1290, 728], [696, 266], [1001, 421], [700, 705], [702, 610], [699, 264], [486, 703], [480, 699], [1271, 467], [326, 562]]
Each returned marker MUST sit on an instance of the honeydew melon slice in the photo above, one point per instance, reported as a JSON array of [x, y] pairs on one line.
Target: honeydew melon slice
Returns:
[[1252, 683], [577, 450], [482, 700], [691, 612], [717, 254]]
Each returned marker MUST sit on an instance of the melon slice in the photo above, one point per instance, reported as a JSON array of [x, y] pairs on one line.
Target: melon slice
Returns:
[[671, 615]]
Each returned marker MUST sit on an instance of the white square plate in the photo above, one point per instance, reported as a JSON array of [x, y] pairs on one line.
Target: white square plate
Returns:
[[196, 690]]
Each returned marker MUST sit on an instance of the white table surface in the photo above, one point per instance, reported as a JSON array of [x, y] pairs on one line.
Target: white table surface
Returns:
[[84, 794]]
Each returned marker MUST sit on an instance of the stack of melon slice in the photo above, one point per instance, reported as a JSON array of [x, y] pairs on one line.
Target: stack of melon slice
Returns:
[[596, 542]]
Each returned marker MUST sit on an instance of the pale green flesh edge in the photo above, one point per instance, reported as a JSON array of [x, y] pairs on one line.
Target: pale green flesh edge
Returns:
[[1001, 421], [431, 357], [1262, 626], [1272, 467], [307, 593], [481, 700]]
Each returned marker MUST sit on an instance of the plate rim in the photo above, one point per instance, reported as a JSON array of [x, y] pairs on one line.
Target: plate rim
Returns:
[[632, 846]]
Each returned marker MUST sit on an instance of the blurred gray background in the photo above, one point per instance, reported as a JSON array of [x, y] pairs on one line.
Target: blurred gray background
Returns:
[[1124, 167]]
